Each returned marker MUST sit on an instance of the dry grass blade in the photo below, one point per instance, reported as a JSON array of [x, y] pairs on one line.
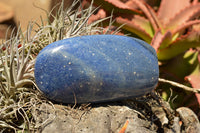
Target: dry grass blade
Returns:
[[195, 90], [19, 95]]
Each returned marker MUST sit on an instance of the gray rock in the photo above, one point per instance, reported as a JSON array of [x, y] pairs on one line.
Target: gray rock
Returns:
[[97, 120], [189, 119], [148, 116]]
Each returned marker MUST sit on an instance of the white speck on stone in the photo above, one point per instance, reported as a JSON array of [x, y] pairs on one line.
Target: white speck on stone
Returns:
[[82, 71], [57, 49]]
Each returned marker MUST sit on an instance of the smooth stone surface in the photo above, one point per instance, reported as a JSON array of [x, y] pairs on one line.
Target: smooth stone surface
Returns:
[[96, 68]]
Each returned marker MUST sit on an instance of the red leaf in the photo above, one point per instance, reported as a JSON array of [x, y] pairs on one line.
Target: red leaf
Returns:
[[183, 16], [100, 15], [130, 3], [116, 6], [194, 80], [160, 41], [149, 12], [186, 25], [195, 2], [168, 8]]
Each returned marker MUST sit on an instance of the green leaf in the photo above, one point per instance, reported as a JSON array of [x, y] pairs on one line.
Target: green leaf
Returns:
[[135, 28], [180, 45], [144, 23]]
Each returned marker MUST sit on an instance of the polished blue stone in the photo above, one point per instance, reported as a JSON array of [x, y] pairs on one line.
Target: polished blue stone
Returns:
[[96, 68]]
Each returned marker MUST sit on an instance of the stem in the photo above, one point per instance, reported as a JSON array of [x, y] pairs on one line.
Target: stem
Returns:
[[195, 90]]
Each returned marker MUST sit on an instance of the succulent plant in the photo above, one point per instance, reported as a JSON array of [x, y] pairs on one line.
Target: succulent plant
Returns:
[[16, 73], [172, 29], [18, 92], [164, 29]]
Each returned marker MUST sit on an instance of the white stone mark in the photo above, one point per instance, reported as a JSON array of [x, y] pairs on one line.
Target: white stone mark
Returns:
[[82, 71], [57, 49]]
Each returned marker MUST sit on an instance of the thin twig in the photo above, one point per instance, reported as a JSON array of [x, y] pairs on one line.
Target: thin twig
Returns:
[[195, 90]]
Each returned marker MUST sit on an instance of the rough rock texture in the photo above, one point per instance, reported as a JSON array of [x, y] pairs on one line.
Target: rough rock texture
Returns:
[[148, 114], [101, 120]]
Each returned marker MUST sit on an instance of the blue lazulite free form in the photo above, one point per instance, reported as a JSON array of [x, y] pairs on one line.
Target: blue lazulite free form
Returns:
[[96, 68]]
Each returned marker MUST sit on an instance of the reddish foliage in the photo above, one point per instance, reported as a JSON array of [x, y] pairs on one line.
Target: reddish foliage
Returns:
[[195, 82], [170, 29], [100, 15]]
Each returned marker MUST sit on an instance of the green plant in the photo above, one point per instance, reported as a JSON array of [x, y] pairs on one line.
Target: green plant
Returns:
[[172, 29], [19, 95], [164, 29]]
